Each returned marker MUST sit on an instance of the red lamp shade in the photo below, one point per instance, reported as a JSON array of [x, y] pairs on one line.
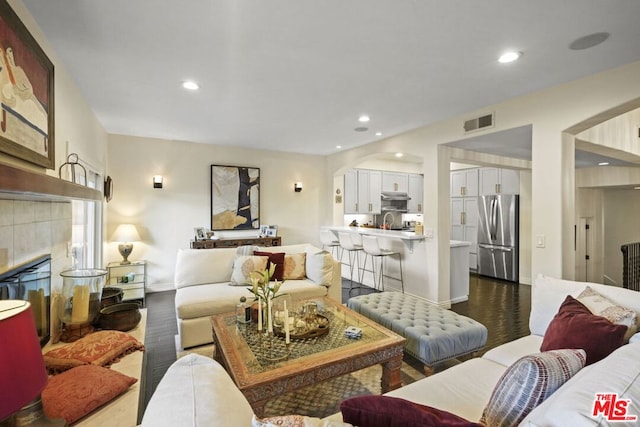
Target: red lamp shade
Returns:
[[22, 371]]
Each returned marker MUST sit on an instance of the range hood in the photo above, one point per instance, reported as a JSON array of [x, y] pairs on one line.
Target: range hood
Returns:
[[394, 195]]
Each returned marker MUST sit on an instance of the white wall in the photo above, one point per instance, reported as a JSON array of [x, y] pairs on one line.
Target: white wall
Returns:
[[621, 226], [166, 217]]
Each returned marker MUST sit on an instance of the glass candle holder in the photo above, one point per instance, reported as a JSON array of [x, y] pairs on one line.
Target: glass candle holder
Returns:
[[81, 294]]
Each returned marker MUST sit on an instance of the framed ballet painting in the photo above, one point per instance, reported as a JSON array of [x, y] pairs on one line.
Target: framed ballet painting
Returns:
[[26, 94]]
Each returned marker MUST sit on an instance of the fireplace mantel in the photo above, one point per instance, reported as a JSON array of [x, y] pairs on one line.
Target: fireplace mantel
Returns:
[[16, 183]]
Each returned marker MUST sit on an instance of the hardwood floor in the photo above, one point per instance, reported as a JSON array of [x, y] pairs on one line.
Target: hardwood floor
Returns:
[[503, 307]]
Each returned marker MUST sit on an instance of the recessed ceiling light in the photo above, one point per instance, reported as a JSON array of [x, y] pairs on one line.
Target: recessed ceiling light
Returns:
[[378, 133], [190, 85], [363, 118], [603, 164], [507, 57], [361, 129], [338, 146], [399, 154]]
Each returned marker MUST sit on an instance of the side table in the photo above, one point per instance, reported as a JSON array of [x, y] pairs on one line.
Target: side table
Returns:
[[131, 278]]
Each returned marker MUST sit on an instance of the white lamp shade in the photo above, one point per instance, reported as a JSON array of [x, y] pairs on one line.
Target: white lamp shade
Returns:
[[126, 233]]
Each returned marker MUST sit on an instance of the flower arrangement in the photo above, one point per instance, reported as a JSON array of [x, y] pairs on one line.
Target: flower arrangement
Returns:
[[261, 285], [265, 291]]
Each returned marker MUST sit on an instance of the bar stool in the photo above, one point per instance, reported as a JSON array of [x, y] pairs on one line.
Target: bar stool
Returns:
[[372, 247], [328, 240], [347, 244]]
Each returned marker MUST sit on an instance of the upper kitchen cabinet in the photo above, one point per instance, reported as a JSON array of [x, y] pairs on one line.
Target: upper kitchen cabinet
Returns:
[[416, 192], [351, 192], [369, 189], [362, 190], [498, 181], [395, 181], [464, 183]]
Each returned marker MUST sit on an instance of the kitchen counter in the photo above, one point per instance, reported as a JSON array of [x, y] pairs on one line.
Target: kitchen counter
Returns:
[[393, 234]]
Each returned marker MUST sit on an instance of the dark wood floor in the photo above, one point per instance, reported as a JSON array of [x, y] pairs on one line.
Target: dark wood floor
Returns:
[[503, 307]]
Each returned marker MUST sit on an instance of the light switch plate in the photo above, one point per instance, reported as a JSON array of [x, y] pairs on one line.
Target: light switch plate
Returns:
[[428, 232], [540, 241]]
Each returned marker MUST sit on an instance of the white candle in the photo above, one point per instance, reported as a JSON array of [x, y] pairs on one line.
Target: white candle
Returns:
[[80, 308], [269, 315], [259, 315], [287, 337]]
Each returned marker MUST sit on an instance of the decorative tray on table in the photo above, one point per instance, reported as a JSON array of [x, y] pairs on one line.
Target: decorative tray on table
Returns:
[[305, 327]]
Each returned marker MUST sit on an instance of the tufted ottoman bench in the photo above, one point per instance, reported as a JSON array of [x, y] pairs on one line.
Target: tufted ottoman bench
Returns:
[[433, 334]]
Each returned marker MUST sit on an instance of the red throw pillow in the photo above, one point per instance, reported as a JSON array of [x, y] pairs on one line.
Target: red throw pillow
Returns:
[[276, 258], [575, 327], [385, 411]]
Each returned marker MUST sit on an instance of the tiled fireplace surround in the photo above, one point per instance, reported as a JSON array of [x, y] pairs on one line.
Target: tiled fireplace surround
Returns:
[[31, 228]]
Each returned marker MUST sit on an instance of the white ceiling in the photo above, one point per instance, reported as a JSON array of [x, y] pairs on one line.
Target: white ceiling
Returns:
[[294, 75]]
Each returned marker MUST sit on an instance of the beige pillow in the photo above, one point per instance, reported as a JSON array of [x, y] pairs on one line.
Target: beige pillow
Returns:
[[294, 266], [244, 265], [600, 305]]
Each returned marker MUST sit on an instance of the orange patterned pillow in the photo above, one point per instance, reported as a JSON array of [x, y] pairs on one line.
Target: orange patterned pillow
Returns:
[[78, 391], [294, 266], [100, 348]]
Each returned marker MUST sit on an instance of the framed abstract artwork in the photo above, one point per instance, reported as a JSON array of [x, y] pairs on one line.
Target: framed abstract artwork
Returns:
[[26, 77], [235, 197]]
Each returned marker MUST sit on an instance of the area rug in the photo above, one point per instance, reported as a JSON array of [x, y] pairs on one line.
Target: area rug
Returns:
[[324, 399]]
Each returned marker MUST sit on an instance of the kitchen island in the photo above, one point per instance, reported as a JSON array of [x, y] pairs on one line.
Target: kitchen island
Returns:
[[414, 253]]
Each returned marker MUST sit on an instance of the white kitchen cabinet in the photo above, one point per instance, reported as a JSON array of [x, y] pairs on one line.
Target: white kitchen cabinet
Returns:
[[464, 225], [369, 188], [395, 181], [351, 192], [464, 183], [498, 181], [362, 189], [416, 192]]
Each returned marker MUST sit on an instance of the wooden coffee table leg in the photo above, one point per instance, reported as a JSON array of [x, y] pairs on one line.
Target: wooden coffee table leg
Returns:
[[391, 374]]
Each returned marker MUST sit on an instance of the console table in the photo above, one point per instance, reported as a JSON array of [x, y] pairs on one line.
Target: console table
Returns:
[[234, 243]]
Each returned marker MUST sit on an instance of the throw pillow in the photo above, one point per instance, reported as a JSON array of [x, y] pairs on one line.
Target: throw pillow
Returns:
[[78, 391], [574, 326], [319, 267], [374, 411], [243, 265], [527, 383], [100, 348], [276, 258], [600, 305], [294, 266]]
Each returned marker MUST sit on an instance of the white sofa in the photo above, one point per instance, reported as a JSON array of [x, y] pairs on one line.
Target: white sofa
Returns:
[[203, 276], [464, 389]]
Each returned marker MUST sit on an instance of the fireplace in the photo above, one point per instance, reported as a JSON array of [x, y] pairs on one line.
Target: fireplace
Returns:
[[31, 282]]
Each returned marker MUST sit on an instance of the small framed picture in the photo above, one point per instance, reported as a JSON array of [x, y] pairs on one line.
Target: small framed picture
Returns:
[[263, 229], [199, 232], [272, 231]]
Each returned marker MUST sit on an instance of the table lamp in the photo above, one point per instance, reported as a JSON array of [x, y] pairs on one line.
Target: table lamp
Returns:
[[125, 234], [22, 372]]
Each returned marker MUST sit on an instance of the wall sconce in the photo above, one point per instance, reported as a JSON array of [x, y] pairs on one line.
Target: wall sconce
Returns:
[[297, 187], [157, 181]]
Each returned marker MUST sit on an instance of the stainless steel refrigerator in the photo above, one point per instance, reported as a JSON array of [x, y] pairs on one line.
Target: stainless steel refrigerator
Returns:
[[498, 226]]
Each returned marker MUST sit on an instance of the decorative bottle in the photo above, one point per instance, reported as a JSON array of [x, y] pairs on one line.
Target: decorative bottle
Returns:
[[243, 311]]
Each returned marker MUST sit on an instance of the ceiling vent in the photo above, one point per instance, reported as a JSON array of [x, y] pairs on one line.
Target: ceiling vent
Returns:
[[478, 123]]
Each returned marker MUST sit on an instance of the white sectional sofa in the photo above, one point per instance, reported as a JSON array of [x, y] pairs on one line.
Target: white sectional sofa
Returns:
[[464, 389], [203, 277]]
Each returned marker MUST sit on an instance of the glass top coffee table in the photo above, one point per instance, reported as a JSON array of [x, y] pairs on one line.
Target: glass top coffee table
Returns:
[[264, 367]]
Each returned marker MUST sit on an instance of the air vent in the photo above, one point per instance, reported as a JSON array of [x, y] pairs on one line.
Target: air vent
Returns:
[[478, 123]]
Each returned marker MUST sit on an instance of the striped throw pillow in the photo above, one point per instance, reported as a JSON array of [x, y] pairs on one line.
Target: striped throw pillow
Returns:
[[527, 383]]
